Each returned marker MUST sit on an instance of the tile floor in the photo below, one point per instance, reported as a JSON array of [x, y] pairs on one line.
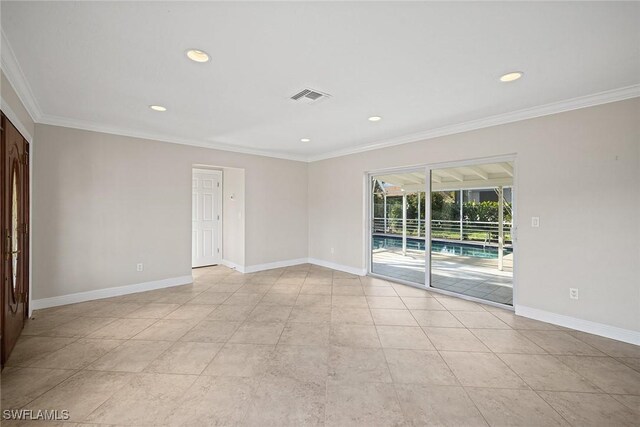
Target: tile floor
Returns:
[[311, 346]]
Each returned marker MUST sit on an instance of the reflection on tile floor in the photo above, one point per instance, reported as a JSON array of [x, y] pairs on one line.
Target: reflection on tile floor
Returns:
[[307, 345], [449, 273]]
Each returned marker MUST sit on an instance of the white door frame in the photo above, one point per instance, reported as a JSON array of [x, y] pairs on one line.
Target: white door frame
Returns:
[[220, 176], [428, 167]]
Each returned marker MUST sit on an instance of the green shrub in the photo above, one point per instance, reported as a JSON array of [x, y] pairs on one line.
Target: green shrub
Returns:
[[443, 208]]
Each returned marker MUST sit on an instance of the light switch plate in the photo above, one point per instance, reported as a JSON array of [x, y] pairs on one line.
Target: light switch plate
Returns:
[[535, 221]]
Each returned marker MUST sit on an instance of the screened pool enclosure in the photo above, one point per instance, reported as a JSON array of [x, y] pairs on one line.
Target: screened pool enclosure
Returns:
[[465, 219]]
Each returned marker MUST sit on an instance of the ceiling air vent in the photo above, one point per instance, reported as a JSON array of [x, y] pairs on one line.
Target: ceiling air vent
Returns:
[[308, 96]]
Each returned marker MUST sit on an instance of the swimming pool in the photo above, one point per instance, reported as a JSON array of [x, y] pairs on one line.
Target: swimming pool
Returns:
[[461, 249]]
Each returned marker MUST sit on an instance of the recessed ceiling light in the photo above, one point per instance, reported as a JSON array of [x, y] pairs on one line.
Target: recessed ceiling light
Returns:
[[511, 77], [375, 118], [158, 108], [305, 140], [197, 55]]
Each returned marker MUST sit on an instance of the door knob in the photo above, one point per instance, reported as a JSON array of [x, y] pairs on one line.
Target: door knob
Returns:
[[9, 253]]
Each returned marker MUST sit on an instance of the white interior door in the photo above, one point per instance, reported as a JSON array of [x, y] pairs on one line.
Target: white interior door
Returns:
[[206, 214]]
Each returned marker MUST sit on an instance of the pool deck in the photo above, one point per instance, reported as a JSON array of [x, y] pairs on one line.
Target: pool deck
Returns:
[[477, 277]]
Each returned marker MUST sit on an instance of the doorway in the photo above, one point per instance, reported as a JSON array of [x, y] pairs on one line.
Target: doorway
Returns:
[[14, 216], [206, 217], [446, 227]]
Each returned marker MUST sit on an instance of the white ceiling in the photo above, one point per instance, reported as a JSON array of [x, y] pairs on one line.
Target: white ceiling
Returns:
[[421, 66]]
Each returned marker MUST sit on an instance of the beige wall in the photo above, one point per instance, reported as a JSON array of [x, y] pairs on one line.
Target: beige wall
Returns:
[[578, 171], [107, 202], [18, 114], [233, 213], [103, 202]]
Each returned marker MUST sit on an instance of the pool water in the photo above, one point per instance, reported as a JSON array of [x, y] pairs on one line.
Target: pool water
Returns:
[[461, 249]]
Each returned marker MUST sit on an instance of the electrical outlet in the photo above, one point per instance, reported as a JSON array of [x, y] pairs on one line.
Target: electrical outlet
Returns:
[[535, 221], [332, 251], [573, 293], [140, 267]]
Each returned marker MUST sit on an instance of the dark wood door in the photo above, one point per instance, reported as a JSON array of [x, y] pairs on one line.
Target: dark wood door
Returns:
[[14, 160]]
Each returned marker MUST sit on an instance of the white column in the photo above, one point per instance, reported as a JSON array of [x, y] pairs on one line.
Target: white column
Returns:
[[385, 212], [427, 227], [418, 214], [500, 227], [404, 223], [461, 206]]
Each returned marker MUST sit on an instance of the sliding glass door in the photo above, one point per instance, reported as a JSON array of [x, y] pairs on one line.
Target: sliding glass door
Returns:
[[471, 239], [448, 228], [398, 226]]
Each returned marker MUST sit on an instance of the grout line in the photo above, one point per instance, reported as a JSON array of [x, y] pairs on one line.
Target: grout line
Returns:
[[123, 341], [534, 390], [259, 379], [51, 388], [386, 361], [464, 389]]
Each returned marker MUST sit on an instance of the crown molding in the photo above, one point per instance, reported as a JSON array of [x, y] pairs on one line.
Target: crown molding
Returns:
[[47, 119], [500, 119], [14, 74], [13, 117], [17, 79]]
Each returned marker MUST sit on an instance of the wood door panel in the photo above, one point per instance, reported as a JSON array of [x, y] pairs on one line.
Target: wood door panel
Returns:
[[14, 220]]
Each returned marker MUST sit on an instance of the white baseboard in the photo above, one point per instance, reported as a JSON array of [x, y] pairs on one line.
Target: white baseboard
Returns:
[[613, 332], [277, 264], [109, 292], [339, 267], [177, 281], [298, 261], [237, 267]]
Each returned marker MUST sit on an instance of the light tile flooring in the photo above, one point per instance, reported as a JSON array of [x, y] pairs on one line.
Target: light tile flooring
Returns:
[[310, 346]]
